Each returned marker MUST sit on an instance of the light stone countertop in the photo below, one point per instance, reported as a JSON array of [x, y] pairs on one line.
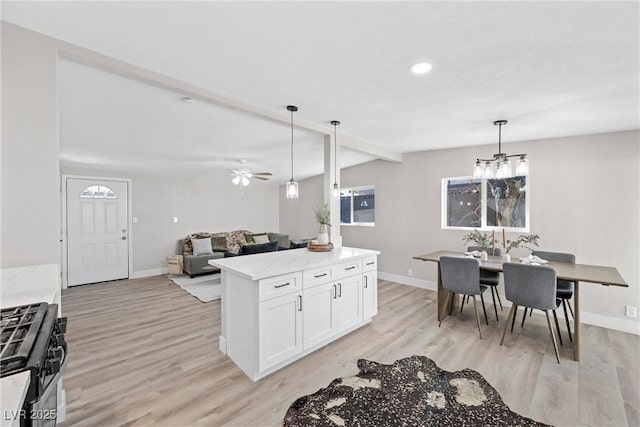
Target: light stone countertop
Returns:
[[29, 285], [269, 264], [13, 390]]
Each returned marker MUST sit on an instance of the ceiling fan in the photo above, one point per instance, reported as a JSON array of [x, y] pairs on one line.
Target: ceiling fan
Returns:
[[242, 175]]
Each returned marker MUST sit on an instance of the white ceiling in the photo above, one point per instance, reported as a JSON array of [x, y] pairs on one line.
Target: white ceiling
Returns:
[[550, 68]]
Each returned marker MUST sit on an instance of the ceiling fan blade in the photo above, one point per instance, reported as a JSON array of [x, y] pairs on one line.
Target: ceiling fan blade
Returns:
[[260, 178], [262, 173]]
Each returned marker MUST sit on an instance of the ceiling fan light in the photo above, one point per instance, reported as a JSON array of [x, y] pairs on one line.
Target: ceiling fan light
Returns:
[[236, 180], [292, 190], [245, 181], [522, 167]]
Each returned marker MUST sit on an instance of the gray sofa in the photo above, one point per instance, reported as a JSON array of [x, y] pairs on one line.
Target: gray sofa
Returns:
[[224, 244]]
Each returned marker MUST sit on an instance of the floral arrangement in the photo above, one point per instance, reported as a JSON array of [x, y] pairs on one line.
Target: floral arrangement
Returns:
[[323, 214], [482, 240], [523, 241]]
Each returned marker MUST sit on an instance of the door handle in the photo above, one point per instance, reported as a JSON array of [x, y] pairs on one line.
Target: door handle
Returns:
[[371, 263], [300, 299], [124, 237], [340, 287], [350, 268], [366, 282], [335, 292], [320, 275]]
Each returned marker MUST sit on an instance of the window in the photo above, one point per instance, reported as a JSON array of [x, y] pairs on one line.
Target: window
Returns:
[[358, 206], [97, 192]]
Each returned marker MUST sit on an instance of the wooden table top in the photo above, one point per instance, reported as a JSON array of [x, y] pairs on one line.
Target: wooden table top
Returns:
[[574, 272]]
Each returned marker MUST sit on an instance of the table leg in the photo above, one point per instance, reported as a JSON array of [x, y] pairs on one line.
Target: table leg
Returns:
[[443, 308], [576, 322]]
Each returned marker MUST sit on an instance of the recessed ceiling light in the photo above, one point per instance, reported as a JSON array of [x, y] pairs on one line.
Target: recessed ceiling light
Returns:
[[421, 68], [188, 100]]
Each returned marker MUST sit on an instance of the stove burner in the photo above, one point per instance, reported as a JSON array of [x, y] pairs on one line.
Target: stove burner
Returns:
[[19, 328]]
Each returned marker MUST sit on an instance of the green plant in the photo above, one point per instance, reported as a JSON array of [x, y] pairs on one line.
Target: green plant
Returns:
[[323, 214], [523, 241], [482, 240]]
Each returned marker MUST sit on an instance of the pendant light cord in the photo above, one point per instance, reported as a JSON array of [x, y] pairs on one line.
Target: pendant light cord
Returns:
[[335, 154], [291, 145]]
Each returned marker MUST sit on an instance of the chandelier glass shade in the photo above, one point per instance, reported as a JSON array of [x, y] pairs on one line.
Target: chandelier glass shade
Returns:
[[292, 185], [500, 166]]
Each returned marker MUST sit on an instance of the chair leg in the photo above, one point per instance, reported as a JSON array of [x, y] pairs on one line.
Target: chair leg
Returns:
[[446, 302], [499, 300], [453, 297], [475, 308], [513, 318], [464, 298], [571, 310], [512, 314], [524, 316], [495, 307], [566, 318], [486, 319], [553, 337], [555, 318]]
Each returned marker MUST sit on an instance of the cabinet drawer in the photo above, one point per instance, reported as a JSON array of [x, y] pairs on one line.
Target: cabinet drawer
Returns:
[[370, 263], [317, 276], [279, 285], [347, 269]]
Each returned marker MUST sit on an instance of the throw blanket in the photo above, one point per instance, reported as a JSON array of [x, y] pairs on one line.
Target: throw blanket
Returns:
[[410, 392]]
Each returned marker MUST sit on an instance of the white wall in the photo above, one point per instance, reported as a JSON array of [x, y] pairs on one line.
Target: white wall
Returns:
[[210, 205], [584, 194], [30, 185]]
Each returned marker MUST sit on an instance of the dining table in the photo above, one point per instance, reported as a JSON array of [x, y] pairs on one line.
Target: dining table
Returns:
[[577, 273]]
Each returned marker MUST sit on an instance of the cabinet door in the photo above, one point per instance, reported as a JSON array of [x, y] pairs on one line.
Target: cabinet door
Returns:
[[370, 294], [280, 328], [318, 314], [349, 303]]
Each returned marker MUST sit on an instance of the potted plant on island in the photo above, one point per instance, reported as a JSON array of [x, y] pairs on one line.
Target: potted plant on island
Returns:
[[323, 218], [523, 241], [481, 240]]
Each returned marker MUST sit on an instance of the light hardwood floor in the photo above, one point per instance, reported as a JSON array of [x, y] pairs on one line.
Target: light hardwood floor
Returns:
[[144, 352]]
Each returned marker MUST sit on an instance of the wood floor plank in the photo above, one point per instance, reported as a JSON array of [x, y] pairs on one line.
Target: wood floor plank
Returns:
[[145, 353]]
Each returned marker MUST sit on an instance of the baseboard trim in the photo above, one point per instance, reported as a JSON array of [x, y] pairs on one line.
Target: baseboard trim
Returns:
[[406, 280], [607, 322], [148, 273]]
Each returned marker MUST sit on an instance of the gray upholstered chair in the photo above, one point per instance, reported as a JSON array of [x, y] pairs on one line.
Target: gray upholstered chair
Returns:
[[564, 290], [530, 286], [462, 276], [489, 278]]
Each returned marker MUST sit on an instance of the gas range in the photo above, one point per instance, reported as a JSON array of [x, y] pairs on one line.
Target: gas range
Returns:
[[32, 339]]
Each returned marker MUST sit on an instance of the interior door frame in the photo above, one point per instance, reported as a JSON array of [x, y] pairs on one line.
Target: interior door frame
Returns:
[[63, 223]]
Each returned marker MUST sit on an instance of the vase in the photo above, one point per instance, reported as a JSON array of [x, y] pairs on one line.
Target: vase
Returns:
[[323, 235], [506, 258], [484, 256]]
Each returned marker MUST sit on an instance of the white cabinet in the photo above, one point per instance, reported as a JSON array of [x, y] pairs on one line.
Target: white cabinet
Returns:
[[348, 302], [370, 294], [278, 307], [280, 322], [319, 314]]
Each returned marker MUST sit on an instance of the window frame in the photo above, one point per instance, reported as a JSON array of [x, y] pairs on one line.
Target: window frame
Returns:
[[355, 189]]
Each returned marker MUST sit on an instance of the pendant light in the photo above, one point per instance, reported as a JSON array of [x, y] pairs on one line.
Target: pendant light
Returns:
[[292, 186], [336, 189], [500, 166]]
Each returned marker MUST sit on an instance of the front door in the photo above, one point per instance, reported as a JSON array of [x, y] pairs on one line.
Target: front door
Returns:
[[97, 230]]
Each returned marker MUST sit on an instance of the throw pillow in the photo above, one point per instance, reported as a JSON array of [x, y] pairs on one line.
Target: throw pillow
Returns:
[[219, 243], [259, 248], [202, 246], [260, 238]]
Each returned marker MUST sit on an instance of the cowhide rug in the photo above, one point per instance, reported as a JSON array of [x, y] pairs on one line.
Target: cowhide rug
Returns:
[[410, 392]]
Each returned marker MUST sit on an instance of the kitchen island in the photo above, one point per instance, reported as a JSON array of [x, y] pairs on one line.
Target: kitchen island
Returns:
[[280, 306]]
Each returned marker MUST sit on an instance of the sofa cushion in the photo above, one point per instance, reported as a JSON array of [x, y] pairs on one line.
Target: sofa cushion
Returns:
[[282, 239], [259, 238], [219, 243], [202, 246], [258, 248]]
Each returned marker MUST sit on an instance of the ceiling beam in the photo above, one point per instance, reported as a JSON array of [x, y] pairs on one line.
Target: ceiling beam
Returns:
[[112, 65]]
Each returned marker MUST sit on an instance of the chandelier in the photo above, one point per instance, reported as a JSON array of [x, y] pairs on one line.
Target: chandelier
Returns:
[[500, 165]]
